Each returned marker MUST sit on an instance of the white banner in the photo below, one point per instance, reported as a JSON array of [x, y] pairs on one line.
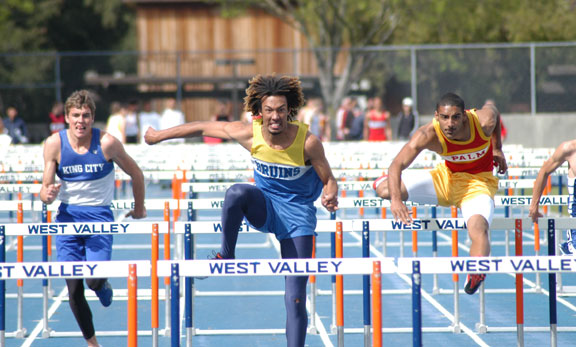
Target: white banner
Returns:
[[80, 269], [88, 228], [528, 264], [275, 267]]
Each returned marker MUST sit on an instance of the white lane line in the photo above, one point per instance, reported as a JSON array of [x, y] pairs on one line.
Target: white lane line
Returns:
[[40, 326], [527, 282], [429, 298]]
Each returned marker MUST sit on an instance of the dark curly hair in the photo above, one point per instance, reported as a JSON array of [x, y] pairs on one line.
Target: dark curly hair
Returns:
[[272, 85]]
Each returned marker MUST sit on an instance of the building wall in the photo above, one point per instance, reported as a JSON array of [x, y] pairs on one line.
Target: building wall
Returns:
[[199, 30]]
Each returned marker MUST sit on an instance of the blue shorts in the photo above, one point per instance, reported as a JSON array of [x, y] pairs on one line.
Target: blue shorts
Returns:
[[84, 247], [288, 219]]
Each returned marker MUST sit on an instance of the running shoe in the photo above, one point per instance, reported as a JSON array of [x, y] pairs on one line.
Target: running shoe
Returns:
[[473, 282], [379, 180], [105, 294], [215, 256], [566, 248]]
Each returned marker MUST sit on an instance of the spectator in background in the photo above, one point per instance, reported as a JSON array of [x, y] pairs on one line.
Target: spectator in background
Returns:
[[116, 125], [222, 115], [344, 118], [171, 117], [132, 127], [377, 122], [16, 126], [57, 120], [356, 131], [408, 122], [148, 117], [5, 139], [313, 115]]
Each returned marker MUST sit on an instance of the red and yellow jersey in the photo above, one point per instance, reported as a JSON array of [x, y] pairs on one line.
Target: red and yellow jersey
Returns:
[[473, 155]]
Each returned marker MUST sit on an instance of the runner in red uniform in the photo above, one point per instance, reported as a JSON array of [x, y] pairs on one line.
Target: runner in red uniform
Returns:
[[470, 143]]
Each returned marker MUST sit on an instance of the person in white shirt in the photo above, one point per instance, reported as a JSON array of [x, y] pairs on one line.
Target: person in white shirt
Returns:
[[116, 124], [132, 127], [171, 117], [148, 117]]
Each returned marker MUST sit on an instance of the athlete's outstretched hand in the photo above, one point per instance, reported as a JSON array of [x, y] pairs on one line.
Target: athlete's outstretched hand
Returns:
[[137, 213], [52, 192], [400, 212], [330, 201], [534, 212], [500, 161], [151, 136]]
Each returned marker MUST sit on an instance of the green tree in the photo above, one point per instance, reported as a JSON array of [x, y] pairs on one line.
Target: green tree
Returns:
[[30, 27], [336, 31]]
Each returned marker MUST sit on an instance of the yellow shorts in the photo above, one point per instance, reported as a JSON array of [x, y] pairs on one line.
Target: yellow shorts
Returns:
[[453, 188]]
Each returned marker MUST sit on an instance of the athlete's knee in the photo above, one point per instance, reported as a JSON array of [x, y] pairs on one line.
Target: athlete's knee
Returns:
[[235, 193], [477, 226], [477, 222], [296, 304], [95, 283], [382, 189], [295, 298]]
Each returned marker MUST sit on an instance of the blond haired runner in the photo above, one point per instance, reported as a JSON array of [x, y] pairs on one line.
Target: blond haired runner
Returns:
[[83, 157]]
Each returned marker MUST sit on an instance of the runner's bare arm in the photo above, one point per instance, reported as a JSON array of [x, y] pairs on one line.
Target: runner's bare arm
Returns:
[[237, 131], [49, 190], [314, 151]]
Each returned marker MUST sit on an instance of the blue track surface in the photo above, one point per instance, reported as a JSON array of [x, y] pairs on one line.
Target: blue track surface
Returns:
[[263, 308]]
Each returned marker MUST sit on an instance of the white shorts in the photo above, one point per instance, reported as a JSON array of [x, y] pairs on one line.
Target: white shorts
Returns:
[[420, 188]]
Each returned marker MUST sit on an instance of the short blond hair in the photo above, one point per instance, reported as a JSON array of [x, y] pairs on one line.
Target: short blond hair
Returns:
[[79, 99]]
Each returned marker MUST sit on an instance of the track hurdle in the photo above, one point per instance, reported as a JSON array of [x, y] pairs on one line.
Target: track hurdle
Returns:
[[273, 267], [491, 265], [44, 229], [39, 270]]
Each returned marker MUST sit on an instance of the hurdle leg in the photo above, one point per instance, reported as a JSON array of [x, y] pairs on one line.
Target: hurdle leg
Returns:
[[339, 288], [435, 288], [538, 287], [132, 307], [45, 283], [189, 286], [333, 278], [312, 328], [167, 244], [175, 302], [552, 286], [558, 241], [519, 287], [377, 304], [416, 304], [455, 278], [20, 331], [384, 234], [366, 282], [154, 285], [481, 327]]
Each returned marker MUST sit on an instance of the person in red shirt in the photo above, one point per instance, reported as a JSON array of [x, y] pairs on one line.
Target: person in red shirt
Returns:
[[377, 122], [470, 143], [57, 120]]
